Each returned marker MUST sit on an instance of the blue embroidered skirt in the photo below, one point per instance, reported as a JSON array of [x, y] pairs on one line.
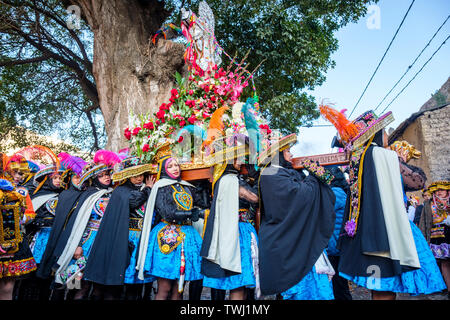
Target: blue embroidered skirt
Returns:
[[247, 277], [313, 286], [39, 243], [131, 274], [426, 280], [165, 237]]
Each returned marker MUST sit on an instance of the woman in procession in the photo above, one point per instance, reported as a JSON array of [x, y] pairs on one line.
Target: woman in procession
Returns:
[[16, 259], [170, 251], [74, 254], [112, 260]]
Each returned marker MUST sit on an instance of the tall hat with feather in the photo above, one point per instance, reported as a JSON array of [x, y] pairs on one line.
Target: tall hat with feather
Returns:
[[356, 133], [71, 165], [104, 160]]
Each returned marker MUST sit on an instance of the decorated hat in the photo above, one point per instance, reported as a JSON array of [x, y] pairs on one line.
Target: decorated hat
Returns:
[[17, 163], [276, 146], [405, 149], [357, 132], [71, 165], [104, 160], [130, 167], [438, 185]]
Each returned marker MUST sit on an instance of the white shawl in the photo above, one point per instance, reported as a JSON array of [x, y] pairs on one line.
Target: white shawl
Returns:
[[147, 224], [224, 249], [39, 201], [79, 226], [401, 242]]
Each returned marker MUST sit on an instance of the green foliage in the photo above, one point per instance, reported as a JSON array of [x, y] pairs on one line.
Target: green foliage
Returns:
[[292, 39]]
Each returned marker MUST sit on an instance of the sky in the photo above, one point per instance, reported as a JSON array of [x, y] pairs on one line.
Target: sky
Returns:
[[361, 47]]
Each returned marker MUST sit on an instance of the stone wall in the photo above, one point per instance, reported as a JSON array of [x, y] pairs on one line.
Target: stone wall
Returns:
[[435, 126]]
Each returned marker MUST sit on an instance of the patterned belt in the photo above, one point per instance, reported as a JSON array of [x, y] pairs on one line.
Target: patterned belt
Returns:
[[186, 223], [93, 224], [135, 224], [244, 216]]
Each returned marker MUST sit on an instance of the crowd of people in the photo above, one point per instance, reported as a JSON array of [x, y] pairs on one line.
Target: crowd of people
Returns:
[[111, 229]]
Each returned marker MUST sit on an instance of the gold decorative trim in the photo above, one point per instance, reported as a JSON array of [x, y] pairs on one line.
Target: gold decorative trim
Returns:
[[372, 130], [131, 172], [276, 146]]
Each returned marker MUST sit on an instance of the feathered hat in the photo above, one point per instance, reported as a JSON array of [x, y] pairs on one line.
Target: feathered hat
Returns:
[[103, 160], [71, 165], [354, 134]]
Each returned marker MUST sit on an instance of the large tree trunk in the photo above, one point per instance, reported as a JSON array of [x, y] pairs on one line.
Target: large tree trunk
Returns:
[[131, 73]]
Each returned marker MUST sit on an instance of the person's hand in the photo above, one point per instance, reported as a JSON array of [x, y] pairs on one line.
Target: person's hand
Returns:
[[78, 253], [150, 181]]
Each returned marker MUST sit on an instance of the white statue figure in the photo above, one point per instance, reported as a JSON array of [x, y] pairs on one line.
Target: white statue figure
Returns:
[[202, 33]]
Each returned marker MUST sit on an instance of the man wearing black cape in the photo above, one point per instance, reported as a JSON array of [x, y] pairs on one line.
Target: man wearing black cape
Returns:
[[297, 220]]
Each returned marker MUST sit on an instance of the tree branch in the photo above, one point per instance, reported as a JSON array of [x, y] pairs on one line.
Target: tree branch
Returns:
[[10, 63]]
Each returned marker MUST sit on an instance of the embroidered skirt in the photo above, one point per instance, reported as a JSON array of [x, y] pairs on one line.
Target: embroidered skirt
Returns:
[[426, 280], [86, 243], [247, 277], [39, 243], [164, 252], [19, 264], [440, 241], [131, 274], [313, 286]]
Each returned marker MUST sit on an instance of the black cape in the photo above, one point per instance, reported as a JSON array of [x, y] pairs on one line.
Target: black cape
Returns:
[[297, 221], [67, 200], [110, 252], [61, 233], [371, 233]]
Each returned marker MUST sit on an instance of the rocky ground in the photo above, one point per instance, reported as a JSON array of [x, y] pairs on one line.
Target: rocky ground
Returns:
[[358, 293]]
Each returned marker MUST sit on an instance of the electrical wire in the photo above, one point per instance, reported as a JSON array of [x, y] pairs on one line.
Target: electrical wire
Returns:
[[392, 40], [410, 66], [420, 70]]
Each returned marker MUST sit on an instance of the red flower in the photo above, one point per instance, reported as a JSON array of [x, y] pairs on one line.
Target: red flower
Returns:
[[216, 75], [192, 119], [174, 92], [146, 148], [205, 115], [180, 139], [182, 123], [127, 134], [160, 114], [157, 122], [136, 131], [191, 92], [149, 126], [163, 107], [206, 88]]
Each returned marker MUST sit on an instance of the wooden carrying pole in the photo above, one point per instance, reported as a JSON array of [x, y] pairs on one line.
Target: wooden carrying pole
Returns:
[[326, 159]]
